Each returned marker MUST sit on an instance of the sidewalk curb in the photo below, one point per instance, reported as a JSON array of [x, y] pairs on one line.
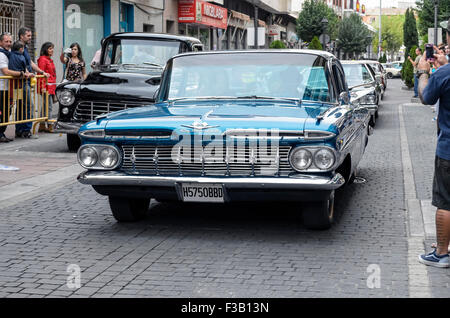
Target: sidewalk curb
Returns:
[[419, 282]]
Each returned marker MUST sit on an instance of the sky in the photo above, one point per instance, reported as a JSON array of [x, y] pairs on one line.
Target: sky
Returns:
[[370, 4]]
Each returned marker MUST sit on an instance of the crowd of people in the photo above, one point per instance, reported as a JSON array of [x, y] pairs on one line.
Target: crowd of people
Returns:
[[15, 61]]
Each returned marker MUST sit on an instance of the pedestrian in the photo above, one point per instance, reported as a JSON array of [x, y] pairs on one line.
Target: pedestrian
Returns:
[[433, 88], [45, 63], [96, 59], [5, 46], [24, 130], [415, 63], [76, 67]]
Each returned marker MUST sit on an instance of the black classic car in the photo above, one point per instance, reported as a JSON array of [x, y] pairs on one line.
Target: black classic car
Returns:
[[274, 125], [128, 76]]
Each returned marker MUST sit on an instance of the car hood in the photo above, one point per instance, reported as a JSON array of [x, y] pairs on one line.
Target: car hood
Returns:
[[219, 116], [120, 85]]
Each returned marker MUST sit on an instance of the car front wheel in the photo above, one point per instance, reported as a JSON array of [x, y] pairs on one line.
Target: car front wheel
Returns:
[[128, 209], [319, 215]]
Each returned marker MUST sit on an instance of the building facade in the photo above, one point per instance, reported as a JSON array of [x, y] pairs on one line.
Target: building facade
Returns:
[[88, 21]]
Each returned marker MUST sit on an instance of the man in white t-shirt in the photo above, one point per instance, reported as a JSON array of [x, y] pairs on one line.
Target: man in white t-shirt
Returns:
[[5, 46]]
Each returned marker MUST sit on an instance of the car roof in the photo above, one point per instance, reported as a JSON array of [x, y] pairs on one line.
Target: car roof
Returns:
[[323, 54], [354, 62], [153, 35]]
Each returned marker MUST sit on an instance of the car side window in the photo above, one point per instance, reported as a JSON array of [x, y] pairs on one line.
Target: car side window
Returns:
[[107, 58], [337, 79]]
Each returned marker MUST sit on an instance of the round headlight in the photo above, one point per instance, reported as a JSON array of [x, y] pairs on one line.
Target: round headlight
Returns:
[[324, 159], [88, 156], [301, 159], [66, 97], [108, 157]]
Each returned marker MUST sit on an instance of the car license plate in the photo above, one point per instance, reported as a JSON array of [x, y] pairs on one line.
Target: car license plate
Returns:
[[195, 192]]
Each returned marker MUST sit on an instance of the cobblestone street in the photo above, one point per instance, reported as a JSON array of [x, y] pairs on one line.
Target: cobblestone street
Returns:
[[233, 250]]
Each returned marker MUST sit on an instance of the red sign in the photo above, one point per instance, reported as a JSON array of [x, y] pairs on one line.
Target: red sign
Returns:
[[357, 6], [198, 11]]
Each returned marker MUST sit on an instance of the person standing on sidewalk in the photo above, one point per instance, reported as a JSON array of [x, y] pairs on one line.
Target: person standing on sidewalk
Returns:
[[45, 62], [416, 77], [24, 130], [5, 46], [431, 89]]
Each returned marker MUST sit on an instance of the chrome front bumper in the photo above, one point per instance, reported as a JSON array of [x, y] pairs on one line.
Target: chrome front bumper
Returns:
[[295, 182], [371, 107], [67, 128]]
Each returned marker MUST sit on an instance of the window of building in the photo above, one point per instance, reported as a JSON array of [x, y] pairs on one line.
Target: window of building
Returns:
[[150, 28], [11, 17], [170, 27], [126, 22], [84, 24]]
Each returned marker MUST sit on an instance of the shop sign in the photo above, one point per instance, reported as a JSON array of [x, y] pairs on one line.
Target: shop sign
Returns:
[[274, 30], [357, 6], [201, 12], [363, 9]]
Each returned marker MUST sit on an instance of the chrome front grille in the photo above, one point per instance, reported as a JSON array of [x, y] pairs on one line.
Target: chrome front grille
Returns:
[[88, 111], [234, 161]]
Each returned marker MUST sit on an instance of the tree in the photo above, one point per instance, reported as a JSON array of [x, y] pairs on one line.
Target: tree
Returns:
[[353, 35], [383, 59], [410, 35], [277, 44], [408, 69], [315, 44], [309, 22], [425, 13]]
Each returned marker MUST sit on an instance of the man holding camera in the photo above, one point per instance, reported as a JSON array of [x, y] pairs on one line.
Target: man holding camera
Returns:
[[431, 89]]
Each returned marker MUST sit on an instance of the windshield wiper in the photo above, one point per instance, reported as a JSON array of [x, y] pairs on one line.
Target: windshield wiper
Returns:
[[269, 97], [153, 64]]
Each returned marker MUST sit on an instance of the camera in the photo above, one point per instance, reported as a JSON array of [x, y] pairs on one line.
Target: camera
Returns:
[[68, 52], [429, 51]]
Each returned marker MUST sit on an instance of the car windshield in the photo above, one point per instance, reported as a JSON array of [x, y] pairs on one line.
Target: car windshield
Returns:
[[357, 74], [142, 53], [250, 75]]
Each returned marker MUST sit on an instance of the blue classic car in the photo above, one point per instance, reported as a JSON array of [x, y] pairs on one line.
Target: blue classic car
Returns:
[[232, 126]]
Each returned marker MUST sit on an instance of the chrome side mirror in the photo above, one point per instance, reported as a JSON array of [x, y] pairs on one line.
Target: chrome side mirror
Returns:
[[344, 98]]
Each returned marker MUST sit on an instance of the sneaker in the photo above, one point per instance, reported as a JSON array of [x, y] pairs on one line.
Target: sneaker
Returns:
[[432, 259], [29, 135], [3, 138]]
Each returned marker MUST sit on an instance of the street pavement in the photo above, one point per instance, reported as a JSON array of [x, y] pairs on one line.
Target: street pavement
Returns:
[[52, 226]]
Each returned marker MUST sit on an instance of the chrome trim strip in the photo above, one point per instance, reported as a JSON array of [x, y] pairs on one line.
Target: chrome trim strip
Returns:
[[67, 128], [298, 181]]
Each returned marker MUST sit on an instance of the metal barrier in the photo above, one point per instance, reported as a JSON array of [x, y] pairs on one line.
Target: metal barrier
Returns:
[[23, 101]]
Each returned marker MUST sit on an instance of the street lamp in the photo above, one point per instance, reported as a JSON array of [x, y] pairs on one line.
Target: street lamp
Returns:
[[324, 23], [436, 6], [369, 45]]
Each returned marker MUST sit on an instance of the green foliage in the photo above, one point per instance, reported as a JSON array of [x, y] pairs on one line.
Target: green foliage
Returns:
[[425, 13], [408, 69], [315, 44], [309, 22], [277, 44], [391, 34], [383, 59], [353, 35], [410, 35]]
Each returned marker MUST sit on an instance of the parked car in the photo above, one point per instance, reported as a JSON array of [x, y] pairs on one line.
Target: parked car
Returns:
[[363, 86], [266, 125], [380, 74], [128, 76], [392, 70]]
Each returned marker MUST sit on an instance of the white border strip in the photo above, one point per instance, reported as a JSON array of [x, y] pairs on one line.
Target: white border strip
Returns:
[[419, 283]]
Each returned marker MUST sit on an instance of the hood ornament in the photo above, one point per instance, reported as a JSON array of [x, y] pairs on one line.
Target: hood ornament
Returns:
[[201, 124]]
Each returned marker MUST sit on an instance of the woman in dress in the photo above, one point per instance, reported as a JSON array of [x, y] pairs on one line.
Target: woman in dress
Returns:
[[76, 67], [46, 64]]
